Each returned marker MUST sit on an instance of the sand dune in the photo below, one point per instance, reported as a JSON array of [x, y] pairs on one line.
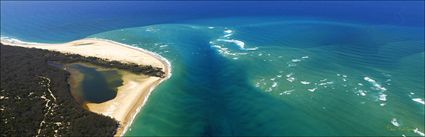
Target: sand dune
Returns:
[[134, 92]]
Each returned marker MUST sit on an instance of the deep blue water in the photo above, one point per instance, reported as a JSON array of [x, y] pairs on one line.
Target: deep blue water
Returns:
[[258, 68], [59, 21]]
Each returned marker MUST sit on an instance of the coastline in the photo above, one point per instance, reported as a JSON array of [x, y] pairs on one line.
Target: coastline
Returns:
[[137, 87]]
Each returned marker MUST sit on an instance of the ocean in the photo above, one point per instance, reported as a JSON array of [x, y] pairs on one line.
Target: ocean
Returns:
[[258, 68]]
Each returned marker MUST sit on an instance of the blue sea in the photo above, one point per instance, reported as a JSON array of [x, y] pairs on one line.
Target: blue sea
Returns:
[[251, 68]]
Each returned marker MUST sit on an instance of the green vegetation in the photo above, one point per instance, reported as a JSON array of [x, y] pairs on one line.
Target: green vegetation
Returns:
[[35, 98]]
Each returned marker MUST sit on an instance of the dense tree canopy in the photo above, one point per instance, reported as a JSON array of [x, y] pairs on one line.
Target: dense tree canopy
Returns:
[[35, 97]]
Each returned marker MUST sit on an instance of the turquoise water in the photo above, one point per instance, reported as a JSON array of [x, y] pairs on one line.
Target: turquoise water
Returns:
[[289, 77], [258, 68]]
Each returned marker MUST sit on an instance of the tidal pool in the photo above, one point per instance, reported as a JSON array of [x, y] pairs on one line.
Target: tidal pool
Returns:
[[93, 84]]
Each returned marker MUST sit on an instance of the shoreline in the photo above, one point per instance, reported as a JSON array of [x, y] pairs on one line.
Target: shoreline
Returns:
[[90, 47], [168, 74]]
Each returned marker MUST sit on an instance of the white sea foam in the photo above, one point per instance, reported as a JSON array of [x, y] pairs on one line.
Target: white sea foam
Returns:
[[386, 75], [228, 31], [225, 51], [274, 84], [394, 122], [221, 49], [287, 92], [269, 89], [369, 79], [361, 92], [380, 88], [289, 75], [299, 59], [227, 35], [292, 64], [257, 84], [151, 29], [343, 77], [312, 89], [15, 41], [419, 132], [419, 100], [383, 97], [375, 84], [290, 79], [296, 60], [210, 27], [326, 83], [239, 43], [305, 82]]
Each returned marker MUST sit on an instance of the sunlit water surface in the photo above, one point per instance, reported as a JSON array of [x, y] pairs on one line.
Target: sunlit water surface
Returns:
[[293, 77]]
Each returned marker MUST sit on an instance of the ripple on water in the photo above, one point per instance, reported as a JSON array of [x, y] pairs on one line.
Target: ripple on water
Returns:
[[312, 89], [394, 122], [287, 92], [305, 82], [419, 100]]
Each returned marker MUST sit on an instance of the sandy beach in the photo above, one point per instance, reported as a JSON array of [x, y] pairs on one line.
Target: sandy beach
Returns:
[[134, 92]]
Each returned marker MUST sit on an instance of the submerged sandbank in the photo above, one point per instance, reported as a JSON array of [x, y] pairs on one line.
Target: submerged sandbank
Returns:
[[136, 88]]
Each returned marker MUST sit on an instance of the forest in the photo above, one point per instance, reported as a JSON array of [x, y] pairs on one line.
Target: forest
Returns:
[[35, 98]]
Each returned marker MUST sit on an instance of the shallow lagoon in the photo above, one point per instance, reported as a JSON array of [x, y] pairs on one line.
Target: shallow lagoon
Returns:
[[93, 84]]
